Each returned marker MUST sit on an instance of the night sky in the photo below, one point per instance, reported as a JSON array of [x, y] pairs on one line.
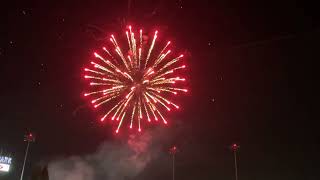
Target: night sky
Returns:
[[251, 70]]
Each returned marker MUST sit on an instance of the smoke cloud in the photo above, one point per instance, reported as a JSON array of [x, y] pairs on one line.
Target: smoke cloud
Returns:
[[112, 161]]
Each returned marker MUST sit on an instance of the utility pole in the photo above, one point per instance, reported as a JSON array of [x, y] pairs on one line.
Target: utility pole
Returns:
[[28, 138], [235, 148], [173, 150]]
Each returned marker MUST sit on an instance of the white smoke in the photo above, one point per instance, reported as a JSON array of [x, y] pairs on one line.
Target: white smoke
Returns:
[[112, 161]]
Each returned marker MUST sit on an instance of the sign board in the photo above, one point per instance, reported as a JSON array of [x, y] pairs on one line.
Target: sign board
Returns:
[[4, 167], [5, 163]]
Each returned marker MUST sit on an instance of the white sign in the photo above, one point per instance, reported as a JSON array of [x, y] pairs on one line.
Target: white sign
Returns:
[[4, 167], [5, 160]]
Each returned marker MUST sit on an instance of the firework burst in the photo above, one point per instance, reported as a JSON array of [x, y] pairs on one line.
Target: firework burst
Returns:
[[138, 83]]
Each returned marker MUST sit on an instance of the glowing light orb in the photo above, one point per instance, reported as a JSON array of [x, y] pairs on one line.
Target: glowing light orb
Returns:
[[134, 84]]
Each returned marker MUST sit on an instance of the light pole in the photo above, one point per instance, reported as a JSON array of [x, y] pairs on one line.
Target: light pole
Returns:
[[29, 138], [235, 148], [173, 150]]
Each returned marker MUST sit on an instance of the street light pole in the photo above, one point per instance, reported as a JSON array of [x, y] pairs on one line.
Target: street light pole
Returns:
[[173, 151], [29, 138], [235, 148], [172, 166], [25, 159]]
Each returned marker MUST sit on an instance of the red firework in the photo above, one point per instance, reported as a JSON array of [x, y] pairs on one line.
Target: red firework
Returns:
[[137, 85]]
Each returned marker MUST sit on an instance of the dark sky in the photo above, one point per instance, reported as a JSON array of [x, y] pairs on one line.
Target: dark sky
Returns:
[[252, 69]]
